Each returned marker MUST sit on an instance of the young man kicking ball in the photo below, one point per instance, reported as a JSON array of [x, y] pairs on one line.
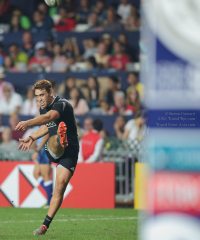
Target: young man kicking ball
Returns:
[[56, 119]]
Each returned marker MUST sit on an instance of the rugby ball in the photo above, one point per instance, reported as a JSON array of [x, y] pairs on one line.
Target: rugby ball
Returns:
[[53, 3]]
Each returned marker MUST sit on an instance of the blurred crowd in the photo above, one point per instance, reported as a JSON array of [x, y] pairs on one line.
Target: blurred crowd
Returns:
[[71, 16], [96, 95], [102, 96], [51, 56]]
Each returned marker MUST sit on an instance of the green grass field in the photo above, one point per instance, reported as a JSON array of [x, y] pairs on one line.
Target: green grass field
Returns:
[[73, 224]]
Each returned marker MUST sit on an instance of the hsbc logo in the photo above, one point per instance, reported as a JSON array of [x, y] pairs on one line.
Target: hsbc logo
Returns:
[[51, 124], [19, 188]]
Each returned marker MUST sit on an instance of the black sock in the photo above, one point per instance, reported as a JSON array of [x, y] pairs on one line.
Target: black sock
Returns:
[[47, 221]]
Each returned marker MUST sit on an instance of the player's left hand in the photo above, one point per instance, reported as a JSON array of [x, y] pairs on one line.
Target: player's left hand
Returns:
[[22, 126]]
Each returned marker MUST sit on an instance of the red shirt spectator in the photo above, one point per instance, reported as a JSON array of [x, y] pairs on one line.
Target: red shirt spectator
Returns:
[[40, 60], [65, 24], [120, 105], [91, 144], [119, 60], [128, 109]]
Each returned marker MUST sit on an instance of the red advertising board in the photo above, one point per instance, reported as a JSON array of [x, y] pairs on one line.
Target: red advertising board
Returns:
[[174, 192], [92, 186]]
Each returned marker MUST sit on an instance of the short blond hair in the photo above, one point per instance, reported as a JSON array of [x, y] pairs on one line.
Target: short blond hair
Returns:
[[43, 84]]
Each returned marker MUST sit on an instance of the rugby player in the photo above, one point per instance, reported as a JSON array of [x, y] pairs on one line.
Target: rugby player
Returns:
[[62, 147]]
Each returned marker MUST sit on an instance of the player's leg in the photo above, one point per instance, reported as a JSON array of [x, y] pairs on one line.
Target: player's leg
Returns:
[[36, 172], [63, 176], [45, 170], [57, 143]]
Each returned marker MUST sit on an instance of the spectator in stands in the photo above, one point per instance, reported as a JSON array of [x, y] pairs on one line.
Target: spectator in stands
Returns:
[[39, 24], [113, 87], [83, 12], [4, 83], [48, 21], [59, 60], [133, 99], [9, 65], [88, 125], [15, 25], [79, 104], [105, 106], [70, 7], [131, 24], [67, 86], [64, 24], [112, 23], [70, 48], [120, 105], [30, 106], [107, 40], [2, 54], [28, 46], [54, 87], [136, 128], [133, 81], [102, 57], [93, 23], [40, 62], [95, 93], [91, 144], [119, 126], [20, 59], [71, 64], [23, 20], [13, 121], [8, 143], [124, 10], [126, 48], [91, 64], [11, 102], [90, 47], [5, 11], [100, 10], [49, 41], [118, 60]]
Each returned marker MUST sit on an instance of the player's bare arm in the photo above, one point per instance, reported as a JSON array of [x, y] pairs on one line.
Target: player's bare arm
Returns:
[[38, 121], [27, 142]]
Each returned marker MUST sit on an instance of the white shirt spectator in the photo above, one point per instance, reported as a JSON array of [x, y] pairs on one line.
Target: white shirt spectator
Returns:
[[133, 128], [124, 11], [29, 108], [59, 64], [10, 107]]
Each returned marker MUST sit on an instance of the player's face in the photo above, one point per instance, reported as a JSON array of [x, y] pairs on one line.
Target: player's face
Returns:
[[43, 97]]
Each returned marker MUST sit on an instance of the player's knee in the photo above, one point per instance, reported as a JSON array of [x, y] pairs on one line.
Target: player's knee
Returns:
[[60, 187]]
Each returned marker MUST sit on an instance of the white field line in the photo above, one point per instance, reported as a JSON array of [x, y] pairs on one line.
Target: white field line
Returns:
[[74, 220]]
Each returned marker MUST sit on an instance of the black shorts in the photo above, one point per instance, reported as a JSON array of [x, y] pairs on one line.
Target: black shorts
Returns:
[[64, 161]]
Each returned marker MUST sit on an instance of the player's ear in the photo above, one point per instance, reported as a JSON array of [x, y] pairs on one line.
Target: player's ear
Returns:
[[51, 93]]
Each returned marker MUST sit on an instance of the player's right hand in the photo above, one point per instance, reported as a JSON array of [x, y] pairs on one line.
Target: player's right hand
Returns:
[[25, 144]]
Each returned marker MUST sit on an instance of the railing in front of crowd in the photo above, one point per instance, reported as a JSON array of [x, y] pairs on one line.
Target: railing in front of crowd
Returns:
[[124, 153]]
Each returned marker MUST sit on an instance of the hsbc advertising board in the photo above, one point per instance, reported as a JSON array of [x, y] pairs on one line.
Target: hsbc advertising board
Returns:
[[19, 188], [170, 71]]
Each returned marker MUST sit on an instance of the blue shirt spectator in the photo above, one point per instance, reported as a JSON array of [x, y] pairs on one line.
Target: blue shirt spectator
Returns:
[[83, 13]]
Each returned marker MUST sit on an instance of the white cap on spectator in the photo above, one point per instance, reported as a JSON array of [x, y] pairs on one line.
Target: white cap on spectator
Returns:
[[40, 45]]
